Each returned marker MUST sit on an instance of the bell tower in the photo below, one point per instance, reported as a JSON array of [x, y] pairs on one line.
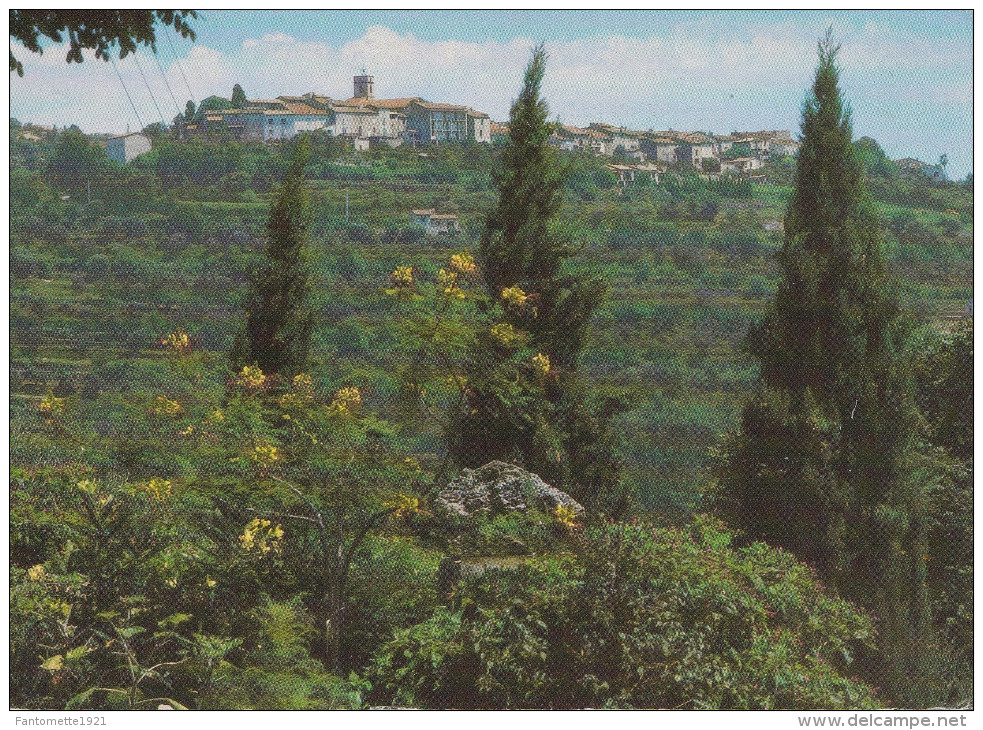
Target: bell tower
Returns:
[[363, 86]]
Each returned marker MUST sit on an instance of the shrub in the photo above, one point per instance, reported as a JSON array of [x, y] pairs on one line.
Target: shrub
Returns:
[[666, 618]]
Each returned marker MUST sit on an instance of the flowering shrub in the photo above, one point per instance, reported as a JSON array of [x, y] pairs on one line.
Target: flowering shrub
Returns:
[[251, 377], [463, 264], [565, 516], [159, 489], [402, 283], [505, 334], [177, 342], [447, 282], [514, 296], [164, 406], [404, 505], [541, 363], [262, 536], [51, 406], [345, 401], [265, 456], [300, 394]]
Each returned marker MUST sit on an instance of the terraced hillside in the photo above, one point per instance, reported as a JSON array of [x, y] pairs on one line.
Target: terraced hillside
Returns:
[[100, 272]]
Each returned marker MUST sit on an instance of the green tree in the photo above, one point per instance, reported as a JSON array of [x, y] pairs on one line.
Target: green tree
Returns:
[[238, 97], [874, 160], [75, 162], [98, 29], [279, 320], [825, 462], [944, 375], [189, 110], [536, 415]]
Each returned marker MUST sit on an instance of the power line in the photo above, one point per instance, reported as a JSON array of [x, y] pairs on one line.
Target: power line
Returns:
[[179, 67], [151, 91], [164, 76], [127, 92]]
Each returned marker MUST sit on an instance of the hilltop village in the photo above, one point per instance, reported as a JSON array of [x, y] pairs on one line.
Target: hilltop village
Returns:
[[366, 121]]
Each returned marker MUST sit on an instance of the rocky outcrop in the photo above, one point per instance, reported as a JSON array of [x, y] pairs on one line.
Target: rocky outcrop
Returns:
[[498, 487]]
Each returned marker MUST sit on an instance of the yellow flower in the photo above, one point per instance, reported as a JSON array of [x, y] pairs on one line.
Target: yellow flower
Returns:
[[566, 516], [164, 406], [177, 341], [159, 489], [402, 282], [302, 393], [265, 455], [505, 334], [51, 405], [251, 376], [402, 276], [303, 381], [87, 485], [210, 582], [447, 280], [542, 364], [463, 263], [188, 431], [218, 416], [404, 504], [346, 400], [514, 295], [261, 535], [36, 572]]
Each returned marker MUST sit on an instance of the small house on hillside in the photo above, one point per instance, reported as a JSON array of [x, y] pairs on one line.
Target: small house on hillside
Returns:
[[127, 147], [910, 167], [436, 223], [740, 164]]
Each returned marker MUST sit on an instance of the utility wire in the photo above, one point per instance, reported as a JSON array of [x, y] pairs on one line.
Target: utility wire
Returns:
[[127, 92], [164, 76], [151, 91], [167, 35]]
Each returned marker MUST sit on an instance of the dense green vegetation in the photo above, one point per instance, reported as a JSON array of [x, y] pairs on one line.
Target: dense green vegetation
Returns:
[[192, 533], [833, 412]]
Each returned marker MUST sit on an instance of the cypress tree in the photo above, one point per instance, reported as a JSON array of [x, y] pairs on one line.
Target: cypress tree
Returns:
[[279, 320], [824, 460], [543, 421]]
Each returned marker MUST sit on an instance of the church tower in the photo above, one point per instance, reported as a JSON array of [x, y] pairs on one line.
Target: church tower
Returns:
[[363, 86]]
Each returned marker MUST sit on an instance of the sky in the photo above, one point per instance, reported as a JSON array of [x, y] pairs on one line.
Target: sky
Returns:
[[907, 75]]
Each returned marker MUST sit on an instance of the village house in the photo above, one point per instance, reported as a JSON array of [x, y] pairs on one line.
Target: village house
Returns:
[[127, 147], [784, 146], [619, 139], [360, 118], [740, 164], [436, 223], [912, 168], [659, 147], [499, 132], [694, 148], [630, 174]]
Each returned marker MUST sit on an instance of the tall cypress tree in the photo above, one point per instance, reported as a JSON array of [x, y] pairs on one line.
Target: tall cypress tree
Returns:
[[823, 463], [279, 320], [543, 421]]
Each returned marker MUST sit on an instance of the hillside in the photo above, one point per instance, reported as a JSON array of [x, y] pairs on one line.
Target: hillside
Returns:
[[106, 259]]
